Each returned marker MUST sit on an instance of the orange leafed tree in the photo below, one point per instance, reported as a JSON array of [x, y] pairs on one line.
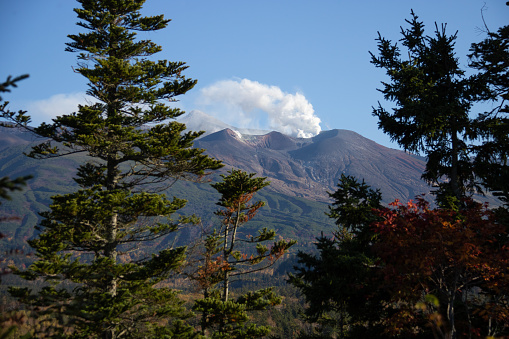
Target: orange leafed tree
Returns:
[[459, 258]]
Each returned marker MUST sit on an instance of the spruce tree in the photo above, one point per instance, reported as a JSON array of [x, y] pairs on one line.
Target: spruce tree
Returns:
[[433, 99], [101, 282], [491, 58]]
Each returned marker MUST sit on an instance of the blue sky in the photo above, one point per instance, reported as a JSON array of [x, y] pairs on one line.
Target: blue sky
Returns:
[[297, 66]]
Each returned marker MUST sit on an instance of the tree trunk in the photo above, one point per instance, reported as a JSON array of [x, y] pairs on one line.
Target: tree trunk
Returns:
[[225, 258], [454, 164], [450, 313], [110, 249]]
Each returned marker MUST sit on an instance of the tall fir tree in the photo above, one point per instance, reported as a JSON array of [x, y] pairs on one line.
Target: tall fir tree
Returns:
[[228, 255], [433, 98], [100, 281], [491, 58]]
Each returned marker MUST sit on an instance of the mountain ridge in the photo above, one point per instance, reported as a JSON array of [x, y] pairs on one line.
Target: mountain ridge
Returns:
[[301, 167], [311, 167]]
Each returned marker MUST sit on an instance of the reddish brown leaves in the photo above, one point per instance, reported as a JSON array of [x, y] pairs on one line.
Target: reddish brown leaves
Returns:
[[461, 257]]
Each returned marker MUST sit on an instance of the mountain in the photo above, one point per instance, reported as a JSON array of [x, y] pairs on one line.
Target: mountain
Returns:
[[301, 171], [311, 167], [294, 217]]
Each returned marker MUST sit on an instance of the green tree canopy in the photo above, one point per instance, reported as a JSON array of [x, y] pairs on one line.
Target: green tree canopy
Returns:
[[340, 282], [100, 281], [228, 256], [433, 99], [491, 58]]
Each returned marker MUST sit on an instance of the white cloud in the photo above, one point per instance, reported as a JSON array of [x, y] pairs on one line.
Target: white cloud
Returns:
[[58, 104], [250, 104], [241, 103]]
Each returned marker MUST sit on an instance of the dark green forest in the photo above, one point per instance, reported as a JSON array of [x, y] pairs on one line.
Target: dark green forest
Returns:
[[133, 233]]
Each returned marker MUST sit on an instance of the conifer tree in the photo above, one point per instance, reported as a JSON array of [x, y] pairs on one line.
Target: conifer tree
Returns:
[[433, 98], [100, 281], [230, 256], [340, 283], [491, 58]]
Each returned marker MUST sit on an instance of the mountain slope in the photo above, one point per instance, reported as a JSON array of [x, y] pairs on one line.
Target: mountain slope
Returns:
[[294, 217], [311, 167], [301, 171]]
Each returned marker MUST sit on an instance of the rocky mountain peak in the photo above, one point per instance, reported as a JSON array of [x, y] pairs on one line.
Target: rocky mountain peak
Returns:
[[312, 167]]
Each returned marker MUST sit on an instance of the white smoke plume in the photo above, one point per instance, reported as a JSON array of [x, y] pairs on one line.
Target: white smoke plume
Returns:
[[241, 102]]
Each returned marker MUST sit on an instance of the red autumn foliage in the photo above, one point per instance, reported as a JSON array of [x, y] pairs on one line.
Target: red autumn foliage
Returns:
[[461, 257]]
